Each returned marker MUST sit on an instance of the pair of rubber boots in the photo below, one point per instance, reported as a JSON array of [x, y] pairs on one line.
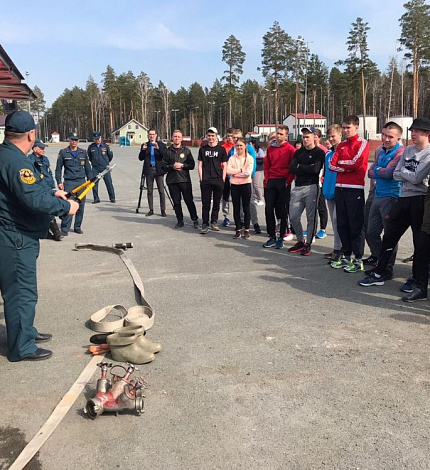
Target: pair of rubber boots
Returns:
[[129, 344]]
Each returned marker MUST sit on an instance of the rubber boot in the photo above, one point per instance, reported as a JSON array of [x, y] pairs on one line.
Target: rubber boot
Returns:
[[53, 227], [123, 348], [141, 341]]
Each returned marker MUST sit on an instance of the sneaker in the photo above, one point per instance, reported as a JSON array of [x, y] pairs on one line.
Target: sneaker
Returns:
[[371, 280], [246, 234], [371, 260], [63, 233], [179, 224], [271, 242], [288, 236], [296, 248], [306, 250], [148, 214], [214, 227], [409, 285], [416, 294], [78, 231], [305, 234], [257, 229], [226, 222], [321, 234], [340, 263], [330, 256], [205, 229], [238, 234], [354, 267], [260, 203], [279, 244], [195, 223]]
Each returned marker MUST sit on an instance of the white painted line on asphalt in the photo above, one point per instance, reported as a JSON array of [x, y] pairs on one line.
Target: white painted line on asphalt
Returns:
[[57, 415]]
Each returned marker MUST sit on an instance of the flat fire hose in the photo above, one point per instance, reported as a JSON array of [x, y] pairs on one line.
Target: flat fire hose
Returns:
[[142, 314]]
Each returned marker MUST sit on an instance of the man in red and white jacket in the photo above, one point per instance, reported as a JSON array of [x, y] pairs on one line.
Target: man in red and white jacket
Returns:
[[350, 163]]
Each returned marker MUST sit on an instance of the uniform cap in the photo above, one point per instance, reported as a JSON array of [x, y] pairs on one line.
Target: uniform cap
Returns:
[[97, 134], [19, 122], [40, 144], [73, 136]]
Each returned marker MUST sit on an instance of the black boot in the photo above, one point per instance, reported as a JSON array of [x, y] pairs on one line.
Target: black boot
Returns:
[[53, 227]]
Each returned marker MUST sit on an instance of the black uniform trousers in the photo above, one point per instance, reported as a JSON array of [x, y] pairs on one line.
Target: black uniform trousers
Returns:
[[184, 189], [408, 212], [275, 196], [211, 189], [322, 211], [350, 220], [18, 285]]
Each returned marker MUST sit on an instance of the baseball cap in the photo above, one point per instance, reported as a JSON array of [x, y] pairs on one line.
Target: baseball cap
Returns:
[[19, 122], [310, 129], [97, 134], [73, 136], [212, 130], [39, 143], [423, 124]]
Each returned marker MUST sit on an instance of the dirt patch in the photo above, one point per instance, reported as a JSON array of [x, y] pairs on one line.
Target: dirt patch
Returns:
[[12, 442]]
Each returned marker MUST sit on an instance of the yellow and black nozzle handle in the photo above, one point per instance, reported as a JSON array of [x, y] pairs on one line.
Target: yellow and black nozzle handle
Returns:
[[88, 185]]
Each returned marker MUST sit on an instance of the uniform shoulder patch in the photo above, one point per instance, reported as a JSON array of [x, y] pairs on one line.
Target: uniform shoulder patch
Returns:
[[27, 176]]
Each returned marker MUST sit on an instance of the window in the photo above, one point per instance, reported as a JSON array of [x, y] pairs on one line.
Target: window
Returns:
[[140, 136], [129, 126], [137, 127]]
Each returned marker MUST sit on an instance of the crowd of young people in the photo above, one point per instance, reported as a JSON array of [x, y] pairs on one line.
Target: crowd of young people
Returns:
[[309, 177]]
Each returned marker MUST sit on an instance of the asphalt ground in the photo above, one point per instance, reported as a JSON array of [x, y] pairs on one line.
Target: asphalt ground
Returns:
[[270, 361]]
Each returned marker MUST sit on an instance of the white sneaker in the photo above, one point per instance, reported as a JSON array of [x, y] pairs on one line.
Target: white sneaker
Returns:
[[259, 203], [288, 237]]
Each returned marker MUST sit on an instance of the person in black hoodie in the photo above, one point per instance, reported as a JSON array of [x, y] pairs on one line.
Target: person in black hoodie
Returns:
[[152, 153], [307, 164], [177, 163]]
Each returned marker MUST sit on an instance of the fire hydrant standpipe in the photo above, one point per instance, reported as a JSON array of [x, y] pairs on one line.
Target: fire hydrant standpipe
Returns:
[[118, 393]]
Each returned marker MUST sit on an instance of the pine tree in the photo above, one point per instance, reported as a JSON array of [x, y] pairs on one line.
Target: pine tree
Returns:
[[234, 57], [415, 38]]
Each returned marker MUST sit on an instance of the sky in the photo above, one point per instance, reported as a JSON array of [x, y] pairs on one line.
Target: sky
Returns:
[[178, 42]]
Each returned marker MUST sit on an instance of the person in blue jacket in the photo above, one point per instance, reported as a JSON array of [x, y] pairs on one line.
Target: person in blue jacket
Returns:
[[26, 207], [77, 169], [43, 166], [100, 155]]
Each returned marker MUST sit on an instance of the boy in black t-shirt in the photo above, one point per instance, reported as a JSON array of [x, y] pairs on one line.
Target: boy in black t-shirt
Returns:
[[307, 164], [212, 171]]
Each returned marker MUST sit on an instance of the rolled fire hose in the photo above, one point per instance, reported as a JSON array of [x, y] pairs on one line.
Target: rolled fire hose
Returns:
[[142, 314]]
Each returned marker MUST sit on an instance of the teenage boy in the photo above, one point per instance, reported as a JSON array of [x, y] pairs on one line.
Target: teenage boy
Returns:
[[177, 163], [212, 172], [277, 184], [350, 163], [412, 170], [329, 188], [307, 164], [387, 191]]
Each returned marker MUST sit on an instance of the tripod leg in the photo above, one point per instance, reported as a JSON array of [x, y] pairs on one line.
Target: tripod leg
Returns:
[[168, 195], [141, 188]]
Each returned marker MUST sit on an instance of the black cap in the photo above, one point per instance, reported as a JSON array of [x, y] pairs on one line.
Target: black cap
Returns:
[[310, 129], [19, 122], [39, 143], [423, 124], [97, 135]]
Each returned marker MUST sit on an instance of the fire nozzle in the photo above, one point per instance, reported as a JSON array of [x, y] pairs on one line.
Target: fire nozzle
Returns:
[[116, 394]]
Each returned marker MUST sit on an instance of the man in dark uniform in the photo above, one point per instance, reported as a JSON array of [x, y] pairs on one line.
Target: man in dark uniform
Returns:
[[43, 166], [100, 155], [76, 168], [152, 153], [26, 208], [178, 162]]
